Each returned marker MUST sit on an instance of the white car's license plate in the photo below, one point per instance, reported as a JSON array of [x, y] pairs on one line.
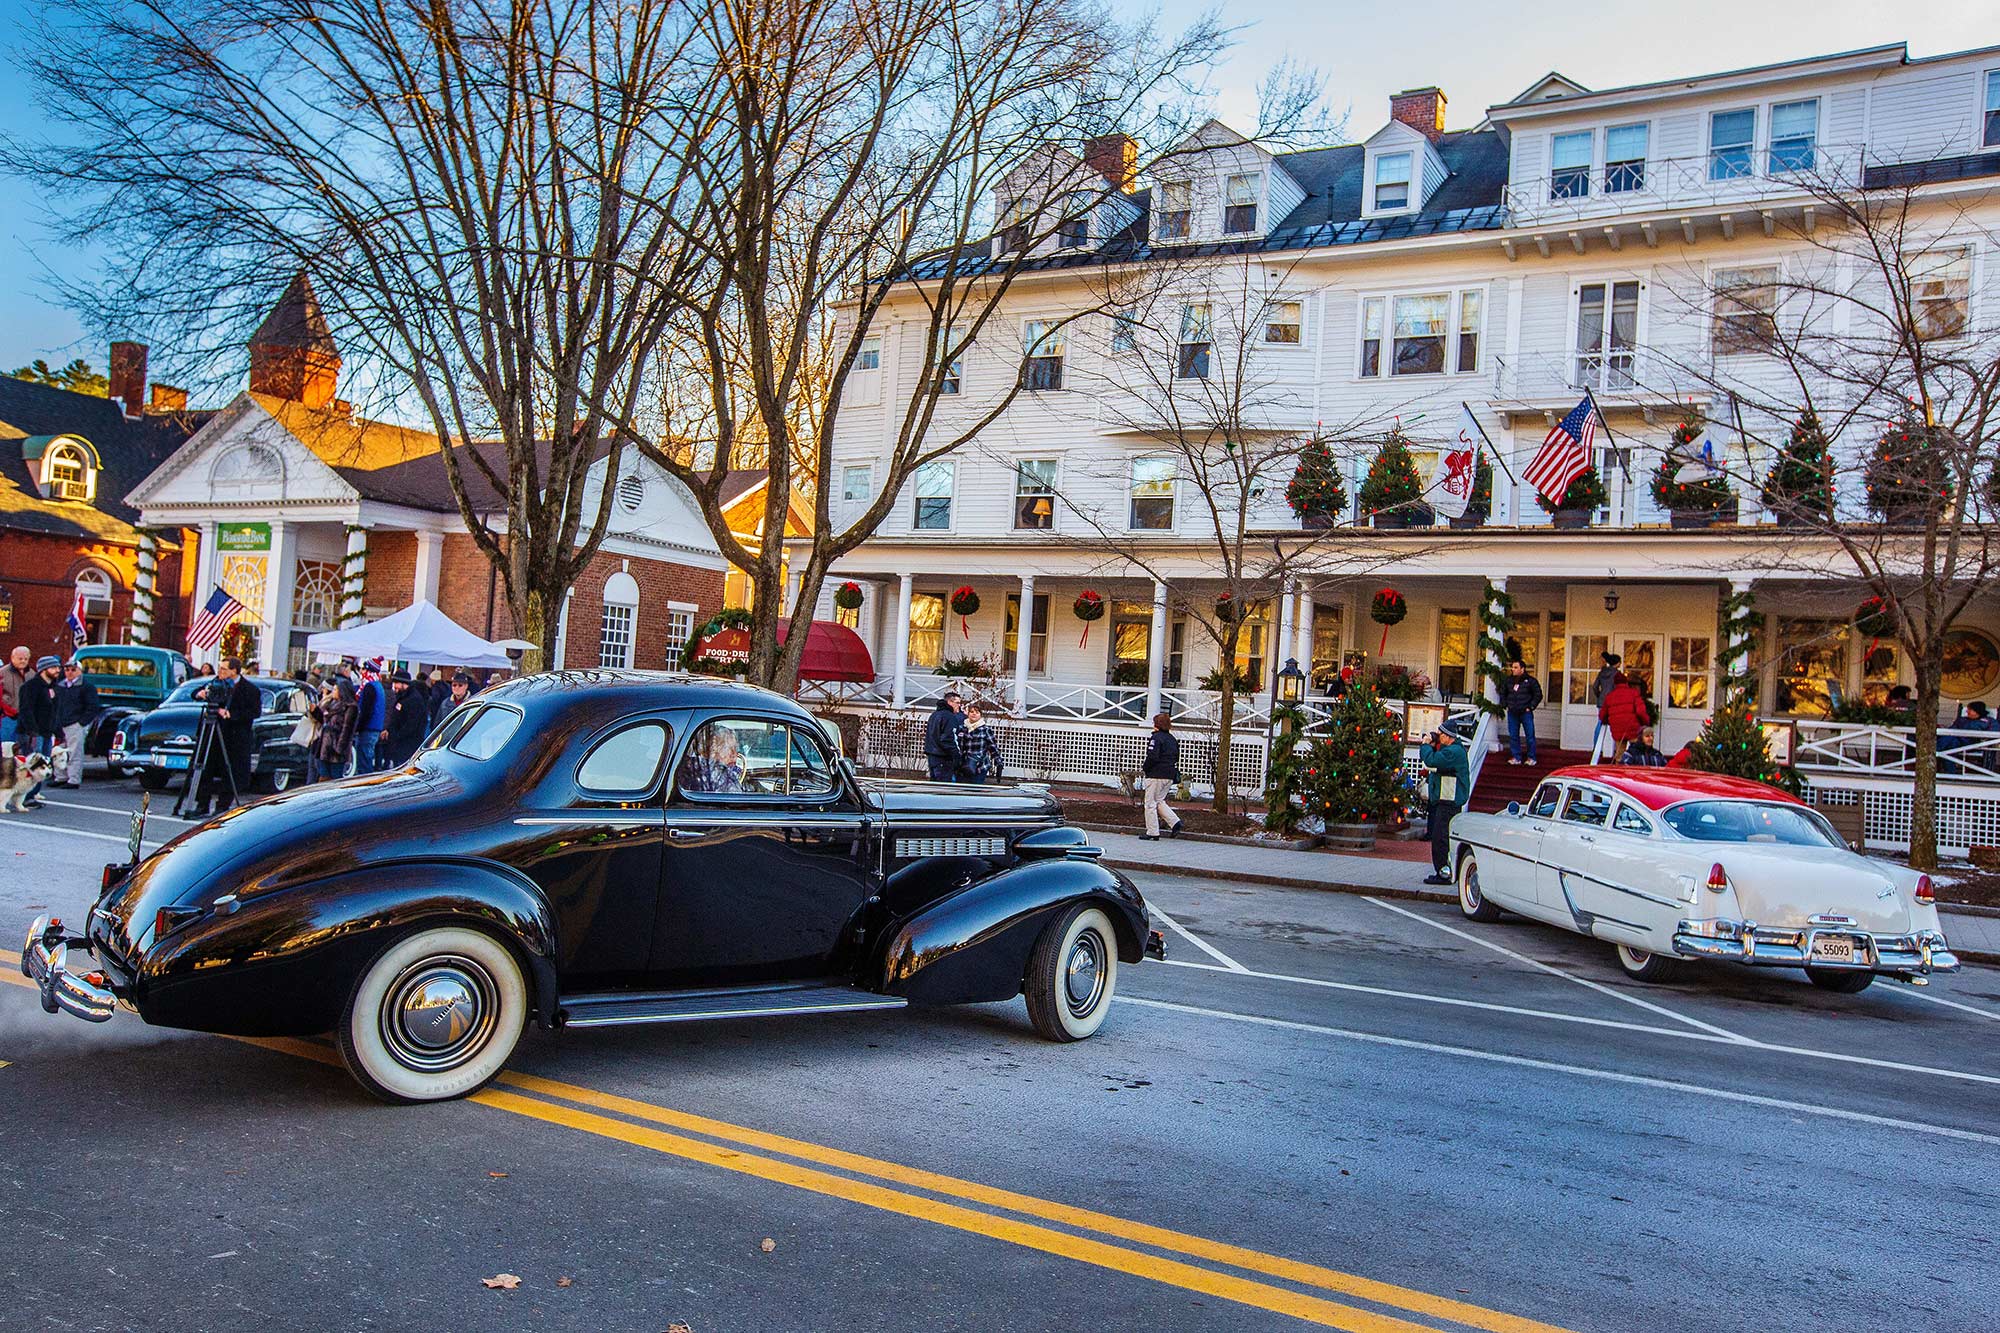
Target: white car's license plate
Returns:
[[1833, 949], [165, 760]]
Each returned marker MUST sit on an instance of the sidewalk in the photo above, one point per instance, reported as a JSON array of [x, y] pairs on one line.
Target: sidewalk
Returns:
[[1973, 937]]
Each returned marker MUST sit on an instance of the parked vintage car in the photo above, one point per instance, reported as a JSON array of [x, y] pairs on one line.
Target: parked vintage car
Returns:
[[159, 746], [1667, 864], [131, 679], [596, 848]]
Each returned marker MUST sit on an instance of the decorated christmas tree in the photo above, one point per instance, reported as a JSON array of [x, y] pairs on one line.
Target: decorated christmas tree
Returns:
[[1355, 771], [1909, 476], [1731, 743], [1481, 500], [1392, 478], [1700, 495], [1316, 491], [1585, 492], [1800, 484]]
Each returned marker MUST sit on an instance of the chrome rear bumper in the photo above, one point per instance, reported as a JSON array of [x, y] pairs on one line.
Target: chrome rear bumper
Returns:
[[45, 960], [1910, 956]]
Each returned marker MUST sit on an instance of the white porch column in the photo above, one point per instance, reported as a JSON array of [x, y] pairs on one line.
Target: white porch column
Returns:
[[1281, 642], [1156, 652], [353, 577], [207, 570], [791, 599], [1487, 689], [1024, 641], [1738, 638], [900, 696], [145, 586], [274, 641], [1302, 633], [430, 559]]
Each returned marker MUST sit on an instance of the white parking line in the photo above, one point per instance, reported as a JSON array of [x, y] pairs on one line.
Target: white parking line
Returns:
[[1600, 988], [151, 815], [64, 831], [1949, 1004], [1681, 1033], [1228, 963], [1581, 1071]]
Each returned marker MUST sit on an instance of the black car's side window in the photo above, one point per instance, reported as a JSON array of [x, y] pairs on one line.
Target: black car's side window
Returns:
[[486, 734], [1545, 800], [625, 762], [754, 757]]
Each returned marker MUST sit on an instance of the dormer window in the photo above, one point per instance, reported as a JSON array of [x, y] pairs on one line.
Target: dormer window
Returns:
[[1013, 227], [67, 473], [1794, 134], [1392, 182], [1239, 209], [1569, 165], [1176, 211], [1074, 233]]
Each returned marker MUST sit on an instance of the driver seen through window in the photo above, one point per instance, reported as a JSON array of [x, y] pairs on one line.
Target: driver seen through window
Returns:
[[749, 756]]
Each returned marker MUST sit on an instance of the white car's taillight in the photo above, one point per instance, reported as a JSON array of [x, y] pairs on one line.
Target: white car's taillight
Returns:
[[1718, 879], [1925, 894]]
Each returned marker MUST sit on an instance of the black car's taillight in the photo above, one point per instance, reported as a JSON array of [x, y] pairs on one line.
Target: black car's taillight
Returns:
[[171, 918]]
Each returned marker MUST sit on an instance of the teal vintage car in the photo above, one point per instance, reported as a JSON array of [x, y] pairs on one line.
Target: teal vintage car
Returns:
[[131, 679]]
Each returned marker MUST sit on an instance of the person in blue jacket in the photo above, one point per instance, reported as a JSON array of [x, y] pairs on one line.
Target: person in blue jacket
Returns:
[[371, 722], [1450, 781]]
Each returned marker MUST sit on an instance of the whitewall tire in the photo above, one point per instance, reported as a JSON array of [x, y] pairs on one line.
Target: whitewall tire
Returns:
[[1643, 966], [1072, 974], [1471, 899], [435, 1016]]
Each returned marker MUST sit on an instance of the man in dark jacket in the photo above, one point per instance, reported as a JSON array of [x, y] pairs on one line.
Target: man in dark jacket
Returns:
[[35, 728], [1520, 695], [237, 704], [409, 720], [1158, 774], [1451, 778], [1606, 680], [944, 747], [76, 708]]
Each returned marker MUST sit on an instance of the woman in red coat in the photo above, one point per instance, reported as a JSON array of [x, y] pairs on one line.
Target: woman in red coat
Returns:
[[1626, 712]]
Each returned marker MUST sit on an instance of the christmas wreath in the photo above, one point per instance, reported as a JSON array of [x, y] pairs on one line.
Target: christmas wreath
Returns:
[[1385, 609], [847, 596], [1087, 607], [693, 660], [1874, 618], [964, 602]]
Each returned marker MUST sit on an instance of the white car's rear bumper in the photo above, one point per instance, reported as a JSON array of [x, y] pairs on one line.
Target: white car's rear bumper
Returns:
[[1914, 955]]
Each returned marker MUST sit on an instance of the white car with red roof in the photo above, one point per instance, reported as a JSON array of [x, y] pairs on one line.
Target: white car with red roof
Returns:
[[1668, 864]]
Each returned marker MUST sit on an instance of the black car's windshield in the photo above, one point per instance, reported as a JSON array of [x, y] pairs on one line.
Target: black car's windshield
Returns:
[[1747, 821], [185, 694]]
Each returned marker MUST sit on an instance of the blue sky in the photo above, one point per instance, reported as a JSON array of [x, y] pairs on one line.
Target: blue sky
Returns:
[[1366, 51]]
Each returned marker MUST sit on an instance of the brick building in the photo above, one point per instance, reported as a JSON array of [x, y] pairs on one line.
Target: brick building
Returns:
[[315, 518], [66, 462]]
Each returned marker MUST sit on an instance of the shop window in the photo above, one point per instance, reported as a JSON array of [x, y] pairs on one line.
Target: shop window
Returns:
[[1326, 647], [1812, 666], [1253, 649], [1687, 672], [1585, 658], [1454, 651], [1880, 669], [1038, 635]]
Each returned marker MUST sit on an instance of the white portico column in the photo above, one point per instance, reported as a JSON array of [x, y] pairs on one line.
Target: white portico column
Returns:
[[207, 570], [1024, 642], [1156, 651], [900, 696], [1280, 642], [430, 559], [146, 586], [353, 577], [1302, 633], [280, 566], [1739, 639]]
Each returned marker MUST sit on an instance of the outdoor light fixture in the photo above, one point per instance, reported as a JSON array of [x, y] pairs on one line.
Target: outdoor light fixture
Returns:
[[1611, 599], [1291, 682]]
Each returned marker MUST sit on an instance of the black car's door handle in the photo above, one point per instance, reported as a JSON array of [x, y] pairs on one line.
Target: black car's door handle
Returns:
[[683, 835]]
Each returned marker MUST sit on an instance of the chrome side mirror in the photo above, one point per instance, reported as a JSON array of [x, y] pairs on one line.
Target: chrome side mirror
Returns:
[[1514, 808]]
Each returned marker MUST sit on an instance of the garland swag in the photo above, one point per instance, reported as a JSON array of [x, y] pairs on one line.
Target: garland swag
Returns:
[[1496, 623], [1740, 623]]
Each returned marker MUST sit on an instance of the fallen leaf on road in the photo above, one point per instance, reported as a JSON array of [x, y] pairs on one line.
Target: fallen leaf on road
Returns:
[[679, 1328], [503, 1282], [565, 1282], [767, 1245], [497, 1175]]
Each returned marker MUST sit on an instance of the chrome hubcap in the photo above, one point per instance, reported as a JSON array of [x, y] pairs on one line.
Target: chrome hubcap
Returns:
[[1468, 887], [438, 1013], [1083, 974]]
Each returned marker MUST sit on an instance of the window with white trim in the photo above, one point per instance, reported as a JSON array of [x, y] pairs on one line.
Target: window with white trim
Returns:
[[1371, 336], [1038, 634], [1687, 671], [1012, 216], [1284, 323], [1197, 337], [1152, 507], [1471, 315], [1045, 340], [1625, 158], [1746, 307], [951, 373], [680, 624], [1730, 136], [927, 630], [1392, 182], [1941, 291], [1607, 334], [1073, 233], [67, 473], [857, 487], [1035, 494], [1794, 135], [1239, 204], [933, 487], [1569, 164], [1125, 330], [868, 356], [1989, 119], [1428, 333], [1176, 211], [614, 639]]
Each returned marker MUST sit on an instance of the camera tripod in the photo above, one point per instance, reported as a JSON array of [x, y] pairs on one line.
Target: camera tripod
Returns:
[[207, 744]]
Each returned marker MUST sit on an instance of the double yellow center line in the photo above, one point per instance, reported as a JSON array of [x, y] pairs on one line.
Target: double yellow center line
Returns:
[[1079, 1234]]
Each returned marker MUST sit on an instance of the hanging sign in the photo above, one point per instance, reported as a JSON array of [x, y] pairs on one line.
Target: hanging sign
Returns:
[[243, 536]]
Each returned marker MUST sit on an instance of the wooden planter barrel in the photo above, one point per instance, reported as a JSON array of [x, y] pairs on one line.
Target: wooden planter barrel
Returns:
[[1350, 837]]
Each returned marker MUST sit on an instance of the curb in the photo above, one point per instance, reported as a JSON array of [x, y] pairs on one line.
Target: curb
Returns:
[[1276, 881], [1221, 839]]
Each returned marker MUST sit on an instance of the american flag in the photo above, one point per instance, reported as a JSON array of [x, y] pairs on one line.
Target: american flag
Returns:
[[215, 617], [79, 633], [1565, 452]]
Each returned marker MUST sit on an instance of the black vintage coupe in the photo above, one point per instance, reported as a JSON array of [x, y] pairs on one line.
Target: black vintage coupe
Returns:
[[159, 745], [593, 848]]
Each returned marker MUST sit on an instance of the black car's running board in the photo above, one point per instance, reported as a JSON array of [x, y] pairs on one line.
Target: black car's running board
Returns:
[[616, 1008]]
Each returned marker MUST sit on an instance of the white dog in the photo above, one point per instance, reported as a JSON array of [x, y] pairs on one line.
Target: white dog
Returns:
[[19, 774]]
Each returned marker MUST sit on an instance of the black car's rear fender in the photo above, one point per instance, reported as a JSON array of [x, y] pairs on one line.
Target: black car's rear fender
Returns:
[[973, 946], [283, 962]]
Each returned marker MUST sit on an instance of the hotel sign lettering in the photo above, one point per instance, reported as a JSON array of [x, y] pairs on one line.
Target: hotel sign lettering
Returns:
[[243, 536]]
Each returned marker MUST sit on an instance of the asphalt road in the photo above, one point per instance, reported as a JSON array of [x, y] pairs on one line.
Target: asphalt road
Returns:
[[1369, 1115]]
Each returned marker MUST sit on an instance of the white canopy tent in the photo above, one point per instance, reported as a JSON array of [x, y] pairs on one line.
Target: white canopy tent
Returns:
[[417, 633]]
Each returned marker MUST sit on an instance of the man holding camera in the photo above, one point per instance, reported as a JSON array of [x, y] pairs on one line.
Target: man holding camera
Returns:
[[1450, 778], [234, 703]]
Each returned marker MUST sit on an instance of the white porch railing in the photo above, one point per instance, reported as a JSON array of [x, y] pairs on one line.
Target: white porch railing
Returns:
[[1851, 763], [1054, 700], [1862, 749]]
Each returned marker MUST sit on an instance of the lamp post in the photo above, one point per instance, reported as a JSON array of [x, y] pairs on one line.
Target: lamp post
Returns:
[[1291, 682]]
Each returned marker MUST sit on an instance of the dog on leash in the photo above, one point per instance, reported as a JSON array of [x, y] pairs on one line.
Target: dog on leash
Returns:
[[19, 774]]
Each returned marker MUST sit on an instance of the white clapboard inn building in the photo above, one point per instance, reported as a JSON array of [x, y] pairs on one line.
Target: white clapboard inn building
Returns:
[[1568, 241]]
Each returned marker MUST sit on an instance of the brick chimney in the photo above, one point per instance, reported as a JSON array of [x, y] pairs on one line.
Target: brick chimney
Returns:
[[1114, 157], [128, 377], [166, 398], [1422, 109]]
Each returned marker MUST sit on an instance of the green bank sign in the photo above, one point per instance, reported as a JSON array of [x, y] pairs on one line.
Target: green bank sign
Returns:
[[243, 536]]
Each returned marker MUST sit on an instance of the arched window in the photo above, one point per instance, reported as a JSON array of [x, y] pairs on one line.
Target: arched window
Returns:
[[246, 466], [316, 595], [621, 609], [68, 472], [94, 584]]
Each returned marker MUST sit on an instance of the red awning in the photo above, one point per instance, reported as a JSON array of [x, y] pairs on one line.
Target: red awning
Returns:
[[833, 652]]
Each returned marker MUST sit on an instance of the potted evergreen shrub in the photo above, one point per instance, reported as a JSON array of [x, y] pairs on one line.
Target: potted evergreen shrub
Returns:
[[1355, 772], [1480, 504], [1316, 492], [1908, 477], [1392, 493], [1584, 497], [1699, 503], [1799, 489]]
